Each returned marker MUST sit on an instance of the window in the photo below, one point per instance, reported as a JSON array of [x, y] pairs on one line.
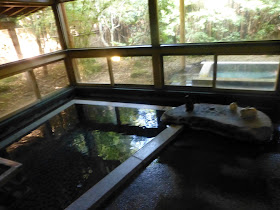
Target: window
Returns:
[[133, 70], [187, 70], [51, 77], [108, 23], [27, 36], [15, 93], [218, 21], [93, 70], [255, 72]]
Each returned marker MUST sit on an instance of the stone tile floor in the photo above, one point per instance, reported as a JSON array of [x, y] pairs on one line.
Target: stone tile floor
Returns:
[[205, 171]]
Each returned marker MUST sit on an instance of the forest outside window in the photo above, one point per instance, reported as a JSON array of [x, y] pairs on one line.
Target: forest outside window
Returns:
[[51, 77], [104, 23], [25, 33], [218, 21], [15, 93], [92, 70], [133, 70]]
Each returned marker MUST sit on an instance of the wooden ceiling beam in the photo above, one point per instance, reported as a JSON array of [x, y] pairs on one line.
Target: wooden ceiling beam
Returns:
[[17, 11], [28, 2], [33, 10], [6, 10], [20, 5]]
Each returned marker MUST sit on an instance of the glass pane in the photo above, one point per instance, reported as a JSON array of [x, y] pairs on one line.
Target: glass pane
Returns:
[[51, 77], [27, 36], [219, 20], [133, 70], [15, 93], [256, 72], [93, 70], [96, 23], [187, 70]]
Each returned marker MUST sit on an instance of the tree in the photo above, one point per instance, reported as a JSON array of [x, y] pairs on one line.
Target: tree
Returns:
[[221, 20], [99, 23]]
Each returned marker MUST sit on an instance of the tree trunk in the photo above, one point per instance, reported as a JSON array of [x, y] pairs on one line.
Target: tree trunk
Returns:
[[210, 29], [101, 33], [13, 35], [41, 50], [242, 26], [14, 38]]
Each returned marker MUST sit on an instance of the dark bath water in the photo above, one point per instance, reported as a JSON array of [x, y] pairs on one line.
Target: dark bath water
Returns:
[[72, 151]]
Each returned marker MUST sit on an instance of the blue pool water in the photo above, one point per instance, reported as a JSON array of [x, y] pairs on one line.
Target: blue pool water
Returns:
[[249, 70], [248, 75]]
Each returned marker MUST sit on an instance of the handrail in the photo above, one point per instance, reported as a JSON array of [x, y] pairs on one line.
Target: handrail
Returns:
[[232, 48], [10, 69]]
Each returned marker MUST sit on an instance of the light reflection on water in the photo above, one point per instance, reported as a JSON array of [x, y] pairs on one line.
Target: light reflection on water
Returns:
[[78, 147]]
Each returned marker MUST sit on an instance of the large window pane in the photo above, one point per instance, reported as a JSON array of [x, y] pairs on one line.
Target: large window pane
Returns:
[[187, 70], [27, 36], [51, 77], [15, 93], [93, 70], [219, 20], [258, 72], [133, 70], [102, 23]]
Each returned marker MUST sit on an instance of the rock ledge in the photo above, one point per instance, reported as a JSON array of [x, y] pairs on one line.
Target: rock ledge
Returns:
[[220, 119]]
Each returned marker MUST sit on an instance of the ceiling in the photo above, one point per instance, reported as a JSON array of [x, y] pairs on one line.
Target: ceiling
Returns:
[[16, 11]]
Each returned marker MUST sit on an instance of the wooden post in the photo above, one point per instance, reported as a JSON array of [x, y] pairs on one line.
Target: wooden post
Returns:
[[118, 116], [157, 58], [277, 83], [215, 67], [182, 31], [110, 69], [66, 42], [34, 84]]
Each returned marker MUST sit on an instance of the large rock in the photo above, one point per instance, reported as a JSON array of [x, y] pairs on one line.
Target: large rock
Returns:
[[221, 120]]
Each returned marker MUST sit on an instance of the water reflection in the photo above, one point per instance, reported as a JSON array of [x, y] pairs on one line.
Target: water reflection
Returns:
[[72, 151], [138, 117]]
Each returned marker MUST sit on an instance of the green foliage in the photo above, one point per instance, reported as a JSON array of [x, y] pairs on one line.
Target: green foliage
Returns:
[[128, 115], [139, 73], [112, 145], [80, 144], [215, 21], [89, 66], [41, 24], [4, 88], [7, 83], [200, 37], [101, 114], [168, 21], [98, 23]]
